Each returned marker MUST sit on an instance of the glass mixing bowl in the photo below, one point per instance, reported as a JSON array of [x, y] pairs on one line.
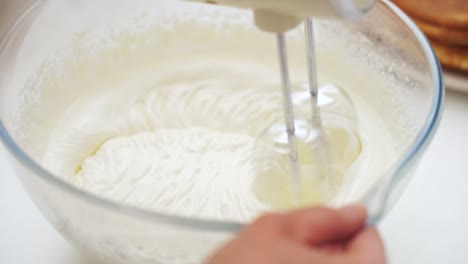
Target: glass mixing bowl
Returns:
[[385, 43]]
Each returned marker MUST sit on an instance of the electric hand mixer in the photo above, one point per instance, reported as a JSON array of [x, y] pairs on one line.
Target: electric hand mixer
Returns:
[[279, 16]]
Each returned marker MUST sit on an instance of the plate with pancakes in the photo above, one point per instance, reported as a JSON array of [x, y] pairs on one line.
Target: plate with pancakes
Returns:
[[445, 23]]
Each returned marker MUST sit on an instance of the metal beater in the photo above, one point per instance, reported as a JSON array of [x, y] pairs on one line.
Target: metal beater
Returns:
[[279, 16]]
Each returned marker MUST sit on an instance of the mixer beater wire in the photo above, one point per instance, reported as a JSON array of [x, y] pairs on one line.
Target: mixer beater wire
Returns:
[[312, 72], [289, 119], [320, 146]]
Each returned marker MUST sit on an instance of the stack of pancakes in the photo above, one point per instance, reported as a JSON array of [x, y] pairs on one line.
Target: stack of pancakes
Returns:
[[445, 22]]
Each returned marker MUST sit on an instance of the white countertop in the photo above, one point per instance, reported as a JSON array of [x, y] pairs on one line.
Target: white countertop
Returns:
[[429, 224]]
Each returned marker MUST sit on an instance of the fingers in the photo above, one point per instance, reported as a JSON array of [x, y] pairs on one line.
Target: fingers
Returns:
[[317, 235], [320, 225], [367, 247]]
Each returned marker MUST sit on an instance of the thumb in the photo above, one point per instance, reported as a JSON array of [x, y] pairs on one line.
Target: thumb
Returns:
[[318, 226]]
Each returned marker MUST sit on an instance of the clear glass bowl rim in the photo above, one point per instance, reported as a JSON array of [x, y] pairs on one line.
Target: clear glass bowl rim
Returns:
[[420, 144]]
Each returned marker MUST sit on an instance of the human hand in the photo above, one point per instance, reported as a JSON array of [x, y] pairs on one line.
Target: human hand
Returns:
[[314, 236]]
